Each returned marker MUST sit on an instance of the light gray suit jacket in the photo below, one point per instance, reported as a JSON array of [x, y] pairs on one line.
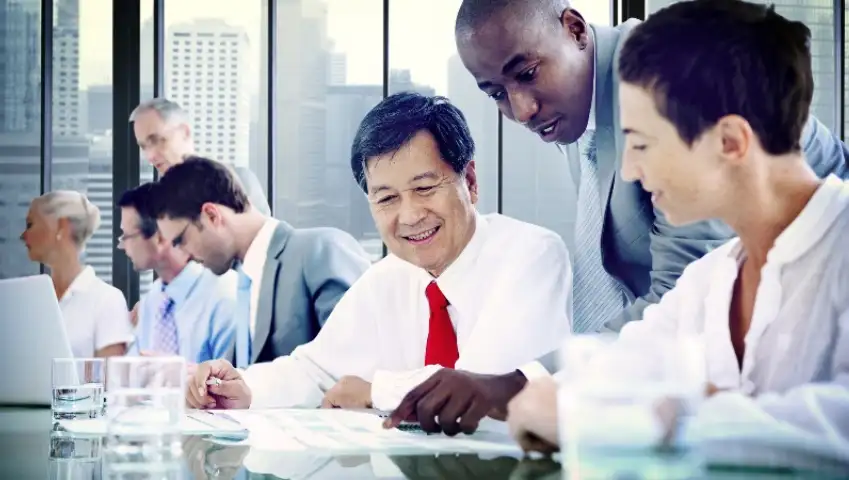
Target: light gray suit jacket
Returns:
[[253, 189], [639, 247], [306, 273]]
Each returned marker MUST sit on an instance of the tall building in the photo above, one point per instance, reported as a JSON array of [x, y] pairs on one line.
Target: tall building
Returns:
[[99, 191], [98, 100], [68, 109], [338, 72], [207, 74], [300, 89], [482, 116], [347, 205]]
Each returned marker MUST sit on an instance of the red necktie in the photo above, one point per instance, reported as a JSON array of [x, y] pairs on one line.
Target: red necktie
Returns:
[[441, 339]]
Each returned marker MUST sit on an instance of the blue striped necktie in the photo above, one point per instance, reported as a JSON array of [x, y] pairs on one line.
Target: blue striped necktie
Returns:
[[243, 320], [597, 296]]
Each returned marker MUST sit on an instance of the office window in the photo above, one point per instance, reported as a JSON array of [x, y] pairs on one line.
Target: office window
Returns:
[[209, 20], [845, 74], [329, 75], [20, 137], [538, 187], [82, 150], [433, 67], [146, 81], [818, 15]]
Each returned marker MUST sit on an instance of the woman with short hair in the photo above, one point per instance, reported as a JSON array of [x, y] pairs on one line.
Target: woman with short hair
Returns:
[[58, 225]]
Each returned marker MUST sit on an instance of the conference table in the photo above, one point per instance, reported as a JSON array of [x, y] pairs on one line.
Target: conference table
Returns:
[[32, 446]]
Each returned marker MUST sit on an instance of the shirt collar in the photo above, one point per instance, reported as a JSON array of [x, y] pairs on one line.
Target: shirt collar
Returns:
[[454, 279], [254, 261], [827, 203], [180, 288], [82, 282]]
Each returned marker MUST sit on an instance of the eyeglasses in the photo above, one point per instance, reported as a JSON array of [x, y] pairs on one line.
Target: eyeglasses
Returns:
[[127, 236], [178, 240]]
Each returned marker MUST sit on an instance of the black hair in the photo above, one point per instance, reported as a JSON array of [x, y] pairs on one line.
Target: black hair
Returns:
[[398, 118], [185, 187], [141, 200], [705, 59], [474, 13]]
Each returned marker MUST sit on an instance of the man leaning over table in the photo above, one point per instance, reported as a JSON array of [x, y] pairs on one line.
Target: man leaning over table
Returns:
[[485, 293]]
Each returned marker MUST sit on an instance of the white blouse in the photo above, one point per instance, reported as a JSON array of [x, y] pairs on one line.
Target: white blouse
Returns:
[[795, 369], [95, 314]]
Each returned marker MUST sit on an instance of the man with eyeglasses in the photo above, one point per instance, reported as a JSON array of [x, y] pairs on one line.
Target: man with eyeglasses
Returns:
[[164, 135], [289, 280], [188, 310]]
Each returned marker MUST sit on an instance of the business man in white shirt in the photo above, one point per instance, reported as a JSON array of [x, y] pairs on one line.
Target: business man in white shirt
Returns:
[[771, 305], [485, 293]]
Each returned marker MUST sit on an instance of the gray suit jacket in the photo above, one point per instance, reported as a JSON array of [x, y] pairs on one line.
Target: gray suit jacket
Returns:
[[639, 247], [306, 273], [253, 189]]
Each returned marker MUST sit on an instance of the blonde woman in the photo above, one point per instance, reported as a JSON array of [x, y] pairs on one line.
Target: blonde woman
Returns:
[[96, 317]]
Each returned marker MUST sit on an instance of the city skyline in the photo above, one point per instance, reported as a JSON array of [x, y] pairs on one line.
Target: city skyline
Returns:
[[320, 100]]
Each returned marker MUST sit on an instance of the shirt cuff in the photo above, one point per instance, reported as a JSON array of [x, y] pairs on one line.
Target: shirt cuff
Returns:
[[389, 388], [533, 371]]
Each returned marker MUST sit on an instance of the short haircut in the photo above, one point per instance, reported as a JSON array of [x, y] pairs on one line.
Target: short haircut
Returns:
[[705, 59], [82, 216], [185, 187], [167, 110], [398, 118], [475, 13], [141, 200]]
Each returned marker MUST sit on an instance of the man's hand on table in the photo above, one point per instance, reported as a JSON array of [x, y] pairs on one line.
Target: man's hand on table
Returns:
[[453, 401], [228, 390], [349, 392]]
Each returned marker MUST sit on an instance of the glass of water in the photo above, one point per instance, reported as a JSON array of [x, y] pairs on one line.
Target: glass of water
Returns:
[[623, 405], [77, 388], [146, 404]]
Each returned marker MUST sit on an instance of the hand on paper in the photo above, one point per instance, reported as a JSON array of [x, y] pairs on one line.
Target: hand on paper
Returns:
[[231, 392], [349, 392], [532, 417], [453, 401]]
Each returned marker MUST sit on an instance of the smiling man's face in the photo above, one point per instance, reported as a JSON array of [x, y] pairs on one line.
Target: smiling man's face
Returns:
[[423, 209], [539, 70]]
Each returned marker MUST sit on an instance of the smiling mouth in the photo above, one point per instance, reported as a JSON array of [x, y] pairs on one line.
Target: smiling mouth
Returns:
[[422, 237], [547, 131]]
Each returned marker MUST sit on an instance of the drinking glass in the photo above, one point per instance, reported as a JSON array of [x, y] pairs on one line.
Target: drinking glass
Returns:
[[77, 388], [146, 405], [623, 405]]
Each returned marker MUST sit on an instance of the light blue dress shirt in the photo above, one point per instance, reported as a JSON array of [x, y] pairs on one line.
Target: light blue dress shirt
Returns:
[[203, 312]]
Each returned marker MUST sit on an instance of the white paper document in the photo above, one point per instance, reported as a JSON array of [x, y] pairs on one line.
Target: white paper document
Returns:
[[345, 432], [194, 422]]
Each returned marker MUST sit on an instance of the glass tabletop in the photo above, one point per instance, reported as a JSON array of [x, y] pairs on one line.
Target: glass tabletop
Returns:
[[32, 447]]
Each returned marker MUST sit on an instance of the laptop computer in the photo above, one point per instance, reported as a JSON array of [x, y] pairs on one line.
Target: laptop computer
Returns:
[[32, 334]]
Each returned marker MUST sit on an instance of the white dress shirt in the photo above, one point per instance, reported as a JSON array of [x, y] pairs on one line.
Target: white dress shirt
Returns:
[[795, 369], [510, 302], [95, 315], [254, 263]]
